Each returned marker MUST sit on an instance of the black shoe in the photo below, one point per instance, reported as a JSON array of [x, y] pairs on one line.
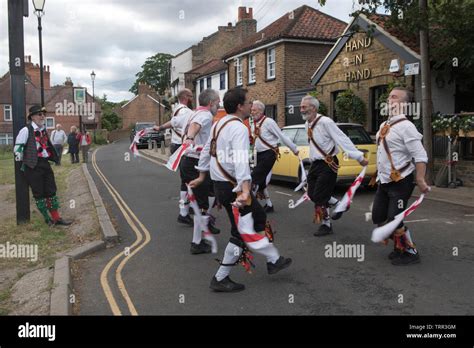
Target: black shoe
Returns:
[[226, 285], [406, 258], [213, 229], [201, 248], [323, 230], [394, 254], [187, 220], [268, 209], [281, 263], [62, 222]]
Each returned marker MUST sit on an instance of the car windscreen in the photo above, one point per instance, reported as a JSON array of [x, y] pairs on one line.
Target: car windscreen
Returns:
[[141, 126], [290, 132], [358, 135]]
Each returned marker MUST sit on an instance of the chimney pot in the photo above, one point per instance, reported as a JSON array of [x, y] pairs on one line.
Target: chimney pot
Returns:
[[243, 14]]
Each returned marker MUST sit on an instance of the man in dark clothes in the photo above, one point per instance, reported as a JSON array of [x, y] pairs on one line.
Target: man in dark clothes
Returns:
[[34, 149]]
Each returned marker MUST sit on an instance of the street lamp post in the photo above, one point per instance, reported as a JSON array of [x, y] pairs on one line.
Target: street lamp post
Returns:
[[93, 100], [39, 12]]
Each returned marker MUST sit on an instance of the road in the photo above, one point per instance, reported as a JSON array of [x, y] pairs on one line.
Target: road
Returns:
[[160, 276]]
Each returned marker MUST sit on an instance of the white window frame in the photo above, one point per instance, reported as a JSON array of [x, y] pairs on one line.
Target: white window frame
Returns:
[[239, 75], [8, 139], [46, 122], [252, 68], [9, 108], [271, 63]]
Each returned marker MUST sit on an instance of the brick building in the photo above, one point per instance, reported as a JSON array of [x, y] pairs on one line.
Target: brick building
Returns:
[[211, 47], [282, 57], [212, 74], [59, 102], [144, 107], [362, 63]]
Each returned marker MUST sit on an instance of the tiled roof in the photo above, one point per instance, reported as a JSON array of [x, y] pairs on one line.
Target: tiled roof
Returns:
[[56, 94], [209, 67], [411, 41], [305, 23]]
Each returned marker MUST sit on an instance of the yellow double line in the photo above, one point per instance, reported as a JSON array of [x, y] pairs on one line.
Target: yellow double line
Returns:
[[139, 243]]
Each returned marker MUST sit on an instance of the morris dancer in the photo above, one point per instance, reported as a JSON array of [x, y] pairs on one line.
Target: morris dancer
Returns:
[[197, 132], [266, 137], [226, 155], [180, 114], [34, 149], [324, 137], [399, 143]]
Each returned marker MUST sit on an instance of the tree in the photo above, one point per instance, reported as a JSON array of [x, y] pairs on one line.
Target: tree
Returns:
[[155, 72], [350, 108], [110, 120]]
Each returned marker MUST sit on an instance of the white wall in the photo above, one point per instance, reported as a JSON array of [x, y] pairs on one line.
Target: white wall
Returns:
[[443, 98], [215, 84], [180, 65]]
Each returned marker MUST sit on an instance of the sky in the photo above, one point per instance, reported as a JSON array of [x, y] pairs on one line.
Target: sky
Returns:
[[114, 37]]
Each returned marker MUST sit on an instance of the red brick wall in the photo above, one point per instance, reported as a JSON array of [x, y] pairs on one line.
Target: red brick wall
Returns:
[[295, 64]]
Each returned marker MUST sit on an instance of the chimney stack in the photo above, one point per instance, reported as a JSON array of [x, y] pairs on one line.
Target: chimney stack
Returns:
[[243, 14]]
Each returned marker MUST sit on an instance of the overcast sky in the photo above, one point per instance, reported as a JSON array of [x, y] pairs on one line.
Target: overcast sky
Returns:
[[114, 37]]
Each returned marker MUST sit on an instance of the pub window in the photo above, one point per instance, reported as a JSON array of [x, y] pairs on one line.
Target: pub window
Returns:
[[50, 122], [222, 81], [467, 145], [375, 108], [333, 104], [252, 68], [238, 72], [208, 82], [271, 63], [6, 139], [271, 111], [201, 85], [7, 112]]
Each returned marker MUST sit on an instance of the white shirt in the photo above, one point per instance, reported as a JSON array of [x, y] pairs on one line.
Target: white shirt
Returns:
[[58, 137], [204, 119], [233, 152], [271, 133], [177, 122], [328, 135], [404, 142], [22, 137]]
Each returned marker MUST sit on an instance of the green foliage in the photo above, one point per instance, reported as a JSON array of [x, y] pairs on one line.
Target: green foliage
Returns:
[[455, 123], [155, 72], [100, 139], [350, 108], [450, 31], [110, 120]]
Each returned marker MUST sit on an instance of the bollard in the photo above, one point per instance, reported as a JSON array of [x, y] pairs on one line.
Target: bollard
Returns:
[[162, 145], [155, 146], [150, 145]]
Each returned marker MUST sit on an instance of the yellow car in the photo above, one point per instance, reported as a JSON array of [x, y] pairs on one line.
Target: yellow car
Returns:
[[287, 168]]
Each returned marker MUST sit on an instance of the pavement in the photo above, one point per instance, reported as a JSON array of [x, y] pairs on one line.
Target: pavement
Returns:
[[151, 271]]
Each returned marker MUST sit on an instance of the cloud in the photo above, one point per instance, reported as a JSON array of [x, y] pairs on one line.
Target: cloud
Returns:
[[114, 37]]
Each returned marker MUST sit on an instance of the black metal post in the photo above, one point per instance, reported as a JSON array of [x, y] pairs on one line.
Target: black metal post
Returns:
[[16, 11], [40, 29]]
